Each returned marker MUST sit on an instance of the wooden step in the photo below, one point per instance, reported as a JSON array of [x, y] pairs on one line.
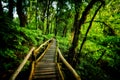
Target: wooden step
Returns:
[[44, 76], [50, 77], [45, 64], [44, 73]]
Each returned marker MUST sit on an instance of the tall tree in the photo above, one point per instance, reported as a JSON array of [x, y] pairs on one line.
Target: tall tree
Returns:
[[1, 9], [48, 13], [84, 39], [56, 20], [21, 13], [11, 5], [36, 14], [72, 51], [77, 15]]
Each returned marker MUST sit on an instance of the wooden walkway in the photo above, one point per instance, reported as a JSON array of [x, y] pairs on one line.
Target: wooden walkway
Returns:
[[46, 69], [48, 65]]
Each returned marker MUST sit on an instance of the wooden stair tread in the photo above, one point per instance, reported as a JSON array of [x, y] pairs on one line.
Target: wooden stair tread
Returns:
[[44, 76], [45, 65], [45, 73], [45, 70]]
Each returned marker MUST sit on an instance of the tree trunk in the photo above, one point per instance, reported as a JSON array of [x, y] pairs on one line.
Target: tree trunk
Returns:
[[64, 31], [36, 15], [55, 29], [1, 9], [76, 21], [22, 16], [56, 22], [76, 18], [11, 5], [72, 51], [43, 14], [48, 13], [75, 24]]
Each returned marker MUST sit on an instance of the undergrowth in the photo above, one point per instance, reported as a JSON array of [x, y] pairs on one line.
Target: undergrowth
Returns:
[[15, 42]]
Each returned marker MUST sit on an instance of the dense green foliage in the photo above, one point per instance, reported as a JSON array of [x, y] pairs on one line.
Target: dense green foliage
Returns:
[[99, 57], [15, 43]]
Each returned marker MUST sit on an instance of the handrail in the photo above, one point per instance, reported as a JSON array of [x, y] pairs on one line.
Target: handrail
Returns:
[[22, 64], [39, 58], [68, 65], [37, 50]]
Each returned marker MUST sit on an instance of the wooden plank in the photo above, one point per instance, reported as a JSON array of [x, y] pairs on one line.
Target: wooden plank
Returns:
[[44, 70], [48, 76], [47, 68], [45, 73]]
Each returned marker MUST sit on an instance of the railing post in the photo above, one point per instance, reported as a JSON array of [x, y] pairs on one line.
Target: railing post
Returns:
[[33, 56], [59, 65], [58, 58], [32, 64]]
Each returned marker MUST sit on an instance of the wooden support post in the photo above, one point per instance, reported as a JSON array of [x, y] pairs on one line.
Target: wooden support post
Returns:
[[32, 70], [32, 65], [59, 69]]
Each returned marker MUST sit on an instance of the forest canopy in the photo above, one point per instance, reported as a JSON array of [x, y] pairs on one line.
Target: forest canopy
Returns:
[[87, 31]]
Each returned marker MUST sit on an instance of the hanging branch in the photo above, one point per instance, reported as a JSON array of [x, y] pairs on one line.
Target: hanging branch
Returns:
[[106, 25]]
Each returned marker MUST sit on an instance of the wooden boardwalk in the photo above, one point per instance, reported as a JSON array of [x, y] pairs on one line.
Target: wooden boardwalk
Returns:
[[48, 66], [46, 69]]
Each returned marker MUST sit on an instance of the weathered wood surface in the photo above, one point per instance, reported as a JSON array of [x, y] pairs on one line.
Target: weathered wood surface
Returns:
[[45, 69]]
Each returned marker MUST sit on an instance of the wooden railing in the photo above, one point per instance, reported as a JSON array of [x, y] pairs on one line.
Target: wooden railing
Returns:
[[22, 64], [67, 65], [33, 52]]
